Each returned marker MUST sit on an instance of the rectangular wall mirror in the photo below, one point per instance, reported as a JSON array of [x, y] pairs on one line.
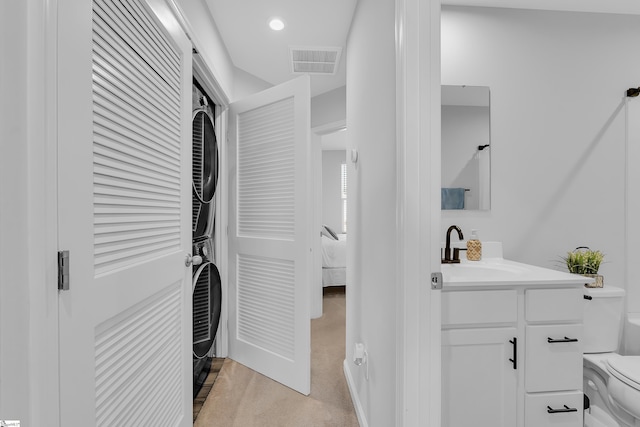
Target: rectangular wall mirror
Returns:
[[466, 148]]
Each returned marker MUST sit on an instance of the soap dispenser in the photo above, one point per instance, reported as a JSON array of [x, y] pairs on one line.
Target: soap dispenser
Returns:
[[474, 247]]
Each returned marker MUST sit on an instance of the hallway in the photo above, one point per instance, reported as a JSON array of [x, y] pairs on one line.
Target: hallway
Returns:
[[242, 397]]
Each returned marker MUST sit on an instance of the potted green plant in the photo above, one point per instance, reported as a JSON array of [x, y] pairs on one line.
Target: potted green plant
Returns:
[[585, 262]]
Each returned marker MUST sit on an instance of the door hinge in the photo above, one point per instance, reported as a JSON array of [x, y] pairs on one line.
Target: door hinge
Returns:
[[436, 280], [63, 270]]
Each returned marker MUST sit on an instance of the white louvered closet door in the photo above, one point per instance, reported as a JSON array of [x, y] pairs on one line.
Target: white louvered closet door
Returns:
[[124, 165], [269, 233]]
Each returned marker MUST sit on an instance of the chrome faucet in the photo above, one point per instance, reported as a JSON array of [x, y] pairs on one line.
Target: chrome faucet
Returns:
[[448, 259]]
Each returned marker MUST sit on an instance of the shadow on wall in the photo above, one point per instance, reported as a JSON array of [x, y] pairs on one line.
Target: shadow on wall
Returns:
[[560, 193]]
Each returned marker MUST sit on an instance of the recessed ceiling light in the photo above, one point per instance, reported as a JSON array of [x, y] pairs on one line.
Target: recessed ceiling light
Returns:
[[276, 24]]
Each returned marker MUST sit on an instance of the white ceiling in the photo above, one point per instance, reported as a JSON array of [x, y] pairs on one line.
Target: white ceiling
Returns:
[[256, 49], [631, 7]]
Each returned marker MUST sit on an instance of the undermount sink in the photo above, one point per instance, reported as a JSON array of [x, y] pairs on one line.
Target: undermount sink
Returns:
[[472, 271]]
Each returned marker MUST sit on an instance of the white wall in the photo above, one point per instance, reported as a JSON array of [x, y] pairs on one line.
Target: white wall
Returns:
[[557, 83], [14, 285], [246, 84], [371, 275], [329, 107], [331, 188]]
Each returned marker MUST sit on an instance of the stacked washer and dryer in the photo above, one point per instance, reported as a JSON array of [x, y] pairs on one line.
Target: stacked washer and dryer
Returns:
[[206, 286]]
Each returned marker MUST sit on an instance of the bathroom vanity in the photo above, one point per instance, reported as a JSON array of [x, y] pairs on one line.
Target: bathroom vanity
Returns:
[[511, 345]]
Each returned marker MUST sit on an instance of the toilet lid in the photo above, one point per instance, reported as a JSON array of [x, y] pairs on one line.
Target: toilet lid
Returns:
[[626, 369]]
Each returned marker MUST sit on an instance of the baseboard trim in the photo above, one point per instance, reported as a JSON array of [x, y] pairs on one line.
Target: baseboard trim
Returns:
[[357, 405]]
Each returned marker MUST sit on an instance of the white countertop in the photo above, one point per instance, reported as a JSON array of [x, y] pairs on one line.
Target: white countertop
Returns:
[[499, 272]]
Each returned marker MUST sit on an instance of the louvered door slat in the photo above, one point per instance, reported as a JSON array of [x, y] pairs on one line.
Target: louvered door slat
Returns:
[[113, 111], [121, 366], [162, 56], [110, 149], [129, 21], [130, 70], [121, 191], [124, 220], [117, 175], [260, 322], [141, 180], [107, 86], [256, 174], [121, 145], [129, 225], [115, 47]]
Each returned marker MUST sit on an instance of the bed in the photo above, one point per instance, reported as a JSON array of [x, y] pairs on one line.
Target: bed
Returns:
[[334, 258]]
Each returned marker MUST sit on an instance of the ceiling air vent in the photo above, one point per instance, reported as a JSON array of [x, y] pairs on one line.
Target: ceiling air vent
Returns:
[[315, 60]]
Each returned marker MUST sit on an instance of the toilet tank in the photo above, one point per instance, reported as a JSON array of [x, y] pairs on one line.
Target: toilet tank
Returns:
[[603, 319]]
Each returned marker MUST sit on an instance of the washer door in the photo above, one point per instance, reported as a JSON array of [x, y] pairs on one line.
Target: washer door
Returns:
[[207, 298], [204, 171]]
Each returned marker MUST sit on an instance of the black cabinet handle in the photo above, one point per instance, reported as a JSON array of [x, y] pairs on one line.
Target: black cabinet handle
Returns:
[[589, 297], [559, 411], [566, 339], [515, 352]]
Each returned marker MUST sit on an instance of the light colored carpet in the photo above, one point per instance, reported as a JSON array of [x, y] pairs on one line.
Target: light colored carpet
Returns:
[[241, 397]]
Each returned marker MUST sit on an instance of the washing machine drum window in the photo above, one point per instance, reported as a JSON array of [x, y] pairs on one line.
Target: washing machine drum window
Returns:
[[202, 219], [205, 158], [627, 370], [207, 298]]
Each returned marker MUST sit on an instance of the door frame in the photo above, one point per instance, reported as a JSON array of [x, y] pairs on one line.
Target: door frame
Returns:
[[38, 305], [418, 316], [316, 171], [209, 79], [29, 386]]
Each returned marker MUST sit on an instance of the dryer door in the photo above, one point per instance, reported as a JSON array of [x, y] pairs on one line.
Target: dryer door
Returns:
[[207, 297]]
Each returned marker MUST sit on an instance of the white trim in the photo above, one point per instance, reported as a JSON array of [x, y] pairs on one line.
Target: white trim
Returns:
[[42, 215], [329, 127], [355, 398], [205, 77], [316, 169], [206, 72], [418, 177], [222, 223], [44, 373]]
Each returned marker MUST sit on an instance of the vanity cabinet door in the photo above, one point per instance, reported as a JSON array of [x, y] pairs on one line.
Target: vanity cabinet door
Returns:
[[478, 379], [553, 358], [554, 409]]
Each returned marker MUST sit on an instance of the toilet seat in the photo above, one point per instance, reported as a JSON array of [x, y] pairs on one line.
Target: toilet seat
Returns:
[[624, 388], [626, 369]]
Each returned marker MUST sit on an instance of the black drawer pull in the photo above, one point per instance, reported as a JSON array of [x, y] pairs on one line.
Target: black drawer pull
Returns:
[[515, 352], [566, 339], [559, 411]]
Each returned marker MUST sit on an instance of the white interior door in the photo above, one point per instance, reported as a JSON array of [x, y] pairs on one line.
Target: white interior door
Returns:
[[124, 171], [269, 233]]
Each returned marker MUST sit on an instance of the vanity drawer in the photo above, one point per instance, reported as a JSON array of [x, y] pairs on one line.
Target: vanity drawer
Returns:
[[554, 305], [553, 358], [473, 307], [553, 409]]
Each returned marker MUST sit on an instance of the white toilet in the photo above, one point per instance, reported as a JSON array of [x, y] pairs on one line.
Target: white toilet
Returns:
[[611, 381]]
